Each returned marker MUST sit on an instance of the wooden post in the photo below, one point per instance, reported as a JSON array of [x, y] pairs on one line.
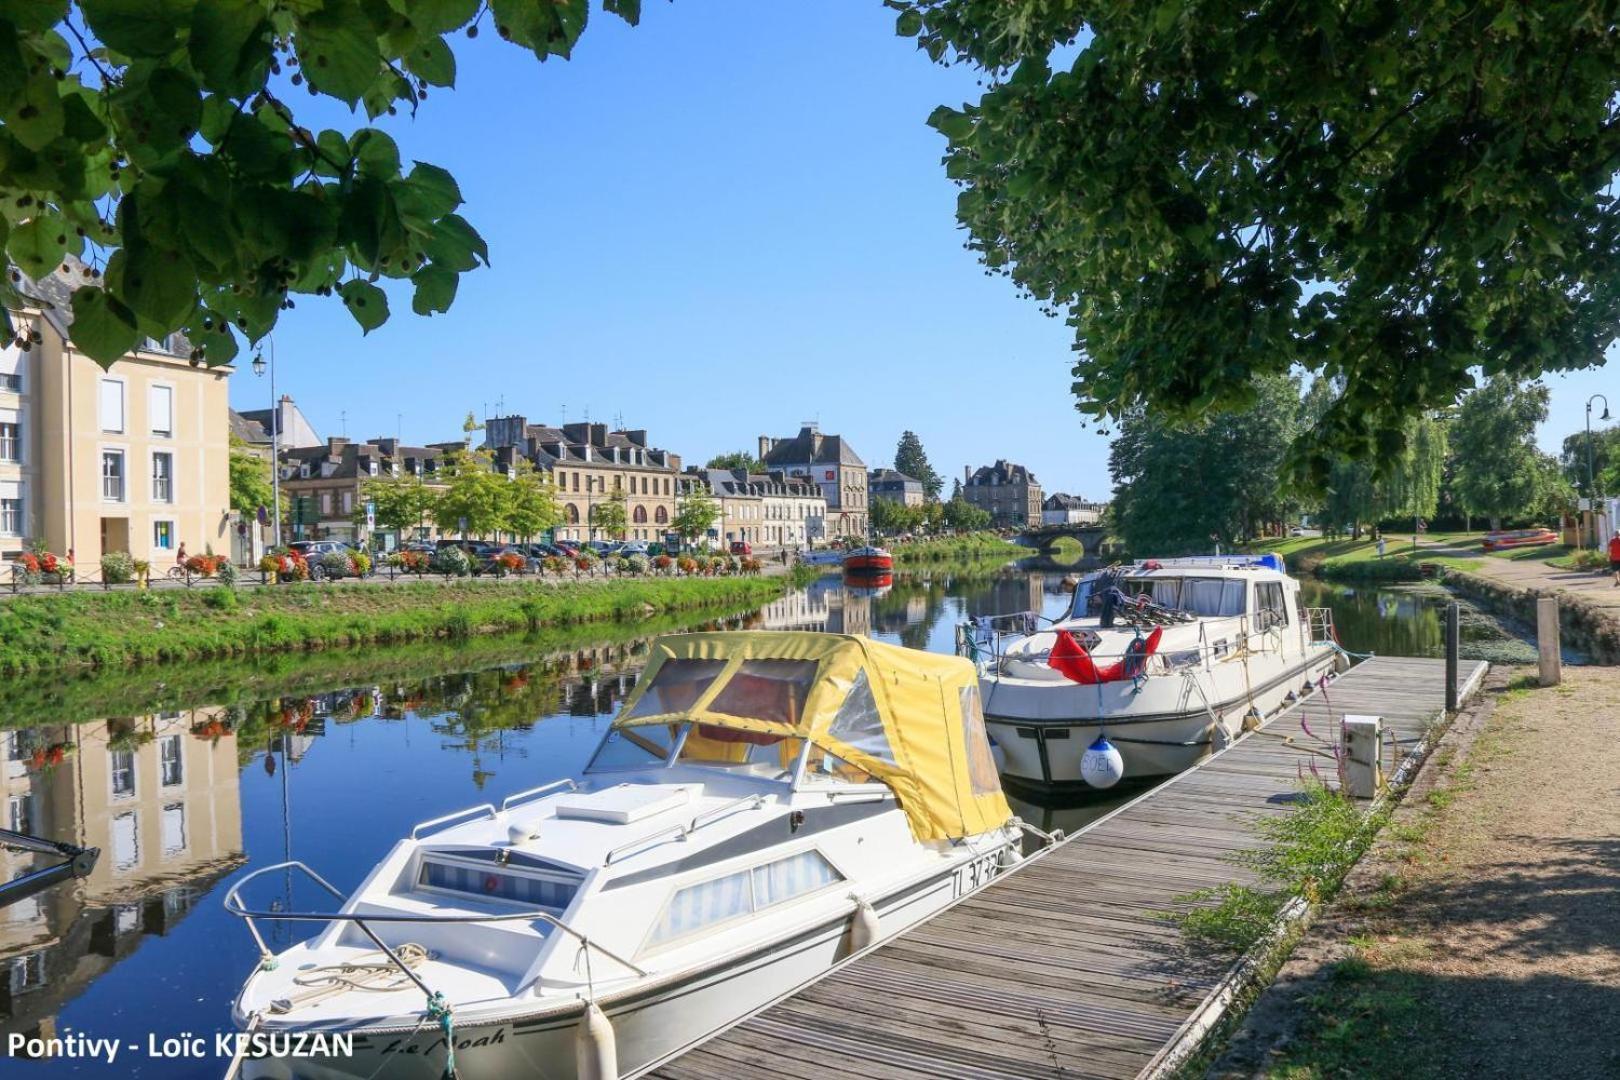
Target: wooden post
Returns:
[[1453, 622], [1552, 665]]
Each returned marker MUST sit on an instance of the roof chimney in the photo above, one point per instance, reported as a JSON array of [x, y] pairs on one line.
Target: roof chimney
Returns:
[[765, 444]]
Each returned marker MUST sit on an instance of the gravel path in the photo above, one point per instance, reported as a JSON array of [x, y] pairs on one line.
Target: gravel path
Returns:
[[1481, 936]]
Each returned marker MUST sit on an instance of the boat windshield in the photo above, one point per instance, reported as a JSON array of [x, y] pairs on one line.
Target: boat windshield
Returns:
[[706, 744], [1203, 596], [634, 747]]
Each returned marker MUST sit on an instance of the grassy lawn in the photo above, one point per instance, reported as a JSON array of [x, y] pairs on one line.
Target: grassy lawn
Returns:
[[117, 629], [1358, 560]]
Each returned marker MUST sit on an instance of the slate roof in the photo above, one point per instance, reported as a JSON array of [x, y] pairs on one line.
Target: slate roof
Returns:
[[1060, 501], [1002, 472], [249, 430], [811, 447], [891, 477]]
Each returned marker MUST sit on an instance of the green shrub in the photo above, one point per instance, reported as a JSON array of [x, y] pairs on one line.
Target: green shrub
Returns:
[[221, 599], [117, 568], [637, 564], [227, 574], [451, 562], [336, 564]]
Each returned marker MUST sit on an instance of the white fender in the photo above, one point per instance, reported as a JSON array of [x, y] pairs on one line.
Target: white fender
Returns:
[[863, 925], [596, 1054]]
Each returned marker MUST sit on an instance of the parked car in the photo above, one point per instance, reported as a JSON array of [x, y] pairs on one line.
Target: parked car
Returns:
[[741, 547], [601, 547], [313, 550], [539, 551], [634, 547], [569, 548]]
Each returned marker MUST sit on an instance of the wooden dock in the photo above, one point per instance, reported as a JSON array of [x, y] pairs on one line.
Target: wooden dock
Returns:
[[1061, 967]]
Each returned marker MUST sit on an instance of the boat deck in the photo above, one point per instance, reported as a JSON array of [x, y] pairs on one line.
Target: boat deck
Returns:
[[1063, 967]]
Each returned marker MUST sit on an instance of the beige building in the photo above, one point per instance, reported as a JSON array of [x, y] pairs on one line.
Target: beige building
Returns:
[[591, 465], [134, 458], [162, 805], [764, 510], [325, 487], [1010, 493], [832, 464]]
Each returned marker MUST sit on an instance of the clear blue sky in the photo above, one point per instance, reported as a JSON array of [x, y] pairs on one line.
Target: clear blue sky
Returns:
[[718, 224]]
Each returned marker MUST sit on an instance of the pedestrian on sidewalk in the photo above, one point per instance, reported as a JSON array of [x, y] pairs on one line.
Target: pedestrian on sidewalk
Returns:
[[1380, 547], [1614, 558]]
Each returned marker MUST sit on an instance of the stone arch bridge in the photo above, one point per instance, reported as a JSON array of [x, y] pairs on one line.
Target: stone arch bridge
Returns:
[[1046, 537]]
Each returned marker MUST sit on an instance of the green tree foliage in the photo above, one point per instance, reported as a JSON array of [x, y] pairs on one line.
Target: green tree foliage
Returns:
[[696, 513], [531, 503], [1438, 173], [158, 141], [1180, 486], [474, 499], [610, 515], [1499, 472], [737, 459], [890, 516], [402, 502], [963, 516], [250, 483], [910, 459], [1604, 462], [1411, 487]]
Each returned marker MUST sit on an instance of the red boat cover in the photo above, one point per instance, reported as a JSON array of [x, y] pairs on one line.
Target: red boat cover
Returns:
[[1070, 659]]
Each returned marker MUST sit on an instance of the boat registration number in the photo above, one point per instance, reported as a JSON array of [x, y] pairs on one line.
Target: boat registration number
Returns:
[[977, 873]]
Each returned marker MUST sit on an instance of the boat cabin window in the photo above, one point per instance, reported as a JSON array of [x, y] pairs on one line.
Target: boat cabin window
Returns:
[[858, 723], [1212, 597], [823, 767], [746, 892], [678, 686], [634, 747], [496, 884], [981, 763], [708, 744], [1081, 607], [771, 690], [1272, 609], [1164, 591]]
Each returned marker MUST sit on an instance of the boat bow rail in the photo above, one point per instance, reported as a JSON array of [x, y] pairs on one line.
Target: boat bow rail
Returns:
[[681, 831], [488, 809]]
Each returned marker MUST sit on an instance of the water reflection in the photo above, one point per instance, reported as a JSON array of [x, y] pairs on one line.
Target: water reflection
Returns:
[[334, 772]]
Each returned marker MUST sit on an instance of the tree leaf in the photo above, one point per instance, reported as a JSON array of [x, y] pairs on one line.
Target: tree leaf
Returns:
[[338, 52], [36, 15], [34, 116], [428, 193], [38, 244], [103, 329], [432, 60], [436, 16], [909, 23], [456, 244], [376, 152], [954, 125], [137, 28], [367, 303], [628, 10], [435, 289], [158, 284], [230, 45]]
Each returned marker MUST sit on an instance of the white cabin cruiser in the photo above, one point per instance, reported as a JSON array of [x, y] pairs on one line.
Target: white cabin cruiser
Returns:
[[765, 804], [1165, 660]]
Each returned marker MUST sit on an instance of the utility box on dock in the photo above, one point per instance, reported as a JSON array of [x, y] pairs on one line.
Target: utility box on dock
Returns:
[[1362, 744]]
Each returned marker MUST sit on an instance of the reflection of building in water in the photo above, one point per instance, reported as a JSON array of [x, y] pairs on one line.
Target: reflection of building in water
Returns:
[[823, 605], [1007, 595], [163, 807]]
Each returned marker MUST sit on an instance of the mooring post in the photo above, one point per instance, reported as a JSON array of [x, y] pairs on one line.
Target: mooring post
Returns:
[[1453, 633], [1552, 663]]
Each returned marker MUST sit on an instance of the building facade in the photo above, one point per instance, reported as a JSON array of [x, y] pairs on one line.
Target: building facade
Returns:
[[134, 458], [765, 510], [832, 464], [324, 487], [295, 430], [1008, 492], [896, 487], [1061, 509], [590, 465]]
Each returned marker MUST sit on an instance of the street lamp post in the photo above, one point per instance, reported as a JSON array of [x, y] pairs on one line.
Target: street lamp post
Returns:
[[1591, 483], [276, 442]]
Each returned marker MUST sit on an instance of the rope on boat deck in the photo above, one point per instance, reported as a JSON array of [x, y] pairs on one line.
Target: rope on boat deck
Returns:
[[439, 1009]]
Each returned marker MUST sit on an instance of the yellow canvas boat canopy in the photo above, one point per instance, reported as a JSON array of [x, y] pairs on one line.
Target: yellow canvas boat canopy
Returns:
[[912, 719]]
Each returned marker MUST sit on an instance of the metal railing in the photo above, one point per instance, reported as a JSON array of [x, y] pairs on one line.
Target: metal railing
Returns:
[[233, 905]]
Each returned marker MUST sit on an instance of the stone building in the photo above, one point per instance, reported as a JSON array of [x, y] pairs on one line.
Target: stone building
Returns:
[[1010, 493], [765, 510], [324, 487], [833, 465], [591, 465], [1061, 509], [131, 458], [896, 487]]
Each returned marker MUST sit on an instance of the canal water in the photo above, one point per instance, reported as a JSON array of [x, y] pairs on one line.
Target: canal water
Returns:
[[185, 777]]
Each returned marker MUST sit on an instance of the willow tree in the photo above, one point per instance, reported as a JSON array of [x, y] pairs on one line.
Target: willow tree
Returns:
[[1499, 471], [1212, 190]]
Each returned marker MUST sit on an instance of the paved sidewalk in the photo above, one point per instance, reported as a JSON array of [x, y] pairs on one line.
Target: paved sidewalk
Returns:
[[1595, 586]]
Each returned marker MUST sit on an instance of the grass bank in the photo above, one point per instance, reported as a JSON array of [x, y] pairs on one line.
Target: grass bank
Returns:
[[958, 549], [76, 631], [1358, 560]]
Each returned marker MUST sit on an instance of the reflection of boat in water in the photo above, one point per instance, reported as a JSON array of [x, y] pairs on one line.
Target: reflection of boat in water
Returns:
[[764, 804], [1168, 659], [868, 559], [871, 583]]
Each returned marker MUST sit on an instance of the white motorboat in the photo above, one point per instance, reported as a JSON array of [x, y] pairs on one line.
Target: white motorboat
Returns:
[[1164, 661], [765, 804]]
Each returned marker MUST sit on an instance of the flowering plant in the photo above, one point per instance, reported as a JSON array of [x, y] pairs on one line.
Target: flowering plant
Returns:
[[663, 562], [362, 563], [511, 562], [205, 565], [413, 561], [583, 563], [555, 564], [686, 564]]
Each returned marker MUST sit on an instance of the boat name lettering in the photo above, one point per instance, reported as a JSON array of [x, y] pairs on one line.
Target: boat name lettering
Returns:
[[407, 1045]]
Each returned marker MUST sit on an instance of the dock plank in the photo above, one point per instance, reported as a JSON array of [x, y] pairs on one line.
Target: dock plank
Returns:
[[1065, 966]]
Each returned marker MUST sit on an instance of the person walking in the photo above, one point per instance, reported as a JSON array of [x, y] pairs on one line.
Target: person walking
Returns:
[[1614, 558], [1380, 547]]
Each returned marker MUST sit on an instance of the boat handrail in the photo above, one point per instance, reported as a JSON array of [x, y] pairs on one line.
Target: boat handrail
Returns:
[[233, 905], [568, 782], [487, 809], [683, 830]]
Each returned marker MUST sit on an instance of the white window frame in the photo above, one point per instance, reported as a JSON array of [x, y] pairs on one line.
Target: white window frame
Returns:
[[173, 533], [152, 480], [113, 770], [151, 424], [179, 761], [22, 513], [123, 456], [123, 405], [17, 445]]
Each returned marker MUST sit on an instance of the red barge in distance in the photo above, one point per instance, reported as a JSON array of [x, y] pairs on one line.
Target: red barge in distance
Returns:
[[868, 559]]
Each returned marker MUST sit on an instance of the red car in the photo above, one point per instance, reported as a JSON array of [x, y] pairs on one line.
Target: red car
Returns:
[[740, 547]]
